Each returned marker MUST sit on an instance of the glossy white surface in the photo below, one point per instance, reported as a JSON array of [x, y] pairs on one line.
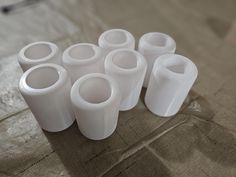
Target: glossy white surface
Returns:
[[46, 90], [128, 68], [96, 98], [171, 79], [38, 53], [151, 46], [115, 39], [83, 58]]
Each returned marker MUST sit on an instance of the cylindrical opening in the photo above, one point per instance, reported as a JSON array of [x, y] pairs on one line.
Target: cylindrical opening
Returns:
[[95, 90], [82, 52], [42, 77], [157, 39], [125, 60], [38, 51], [176, 64], [116, 37]]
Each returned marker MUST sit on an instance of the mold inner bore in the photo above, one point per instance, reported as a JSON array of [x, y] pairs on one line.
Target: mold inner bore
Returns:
[[158, 40], [37, 51], [95, 90], [176, 65], [125, 60], [82, 52], [116, 37], [42, 78]]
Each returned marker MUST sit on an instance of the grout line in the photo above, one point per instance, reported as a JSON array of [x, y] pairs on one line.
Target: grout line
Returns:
[[153, 152], [140, 145], [144, 143], [12, 114], [35, 163], [212, 121]]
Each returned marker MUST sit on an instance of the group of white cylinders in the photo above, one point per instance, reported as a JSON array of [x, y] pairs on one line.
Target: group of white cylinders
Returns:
[[92, 83]]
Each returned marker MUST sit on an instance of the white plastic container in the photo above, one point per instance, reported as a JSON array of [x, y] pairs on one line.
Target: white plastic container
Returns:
[[46, 90], [151, 46], [128, 68], [83, 58], [171, 79], [96, 98], [38, 53], [115, 39]]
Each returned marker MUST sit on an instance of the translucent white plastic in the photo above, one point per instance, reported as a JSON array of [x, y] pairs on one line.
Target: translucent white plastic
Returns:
[[151, 46], [83, 58], [128, 68], [46, 90], [115, 39], [96, 98], [38, 53], [171, 79]]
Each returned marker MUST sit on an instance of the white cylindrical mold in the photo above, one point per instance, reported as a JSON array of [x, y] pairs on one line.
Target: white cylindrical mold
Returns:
[[46, 90], [115, 39], [151, 46], [38, 53], [83, 58], [171, 79], [128, 68], [96, 98]]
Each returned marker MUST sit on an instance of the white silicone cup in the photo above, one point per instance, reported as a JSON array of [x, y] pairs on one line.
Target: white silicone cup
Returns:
[[83, 58], [38, 53], [96, 98], [115, 39], [151, 46], [128, 68], [46, 90], [171, 79]]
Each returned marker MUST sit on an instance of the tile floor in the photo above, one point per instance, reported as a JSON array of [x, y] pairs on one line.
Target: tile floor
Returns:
[[199, 141]]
